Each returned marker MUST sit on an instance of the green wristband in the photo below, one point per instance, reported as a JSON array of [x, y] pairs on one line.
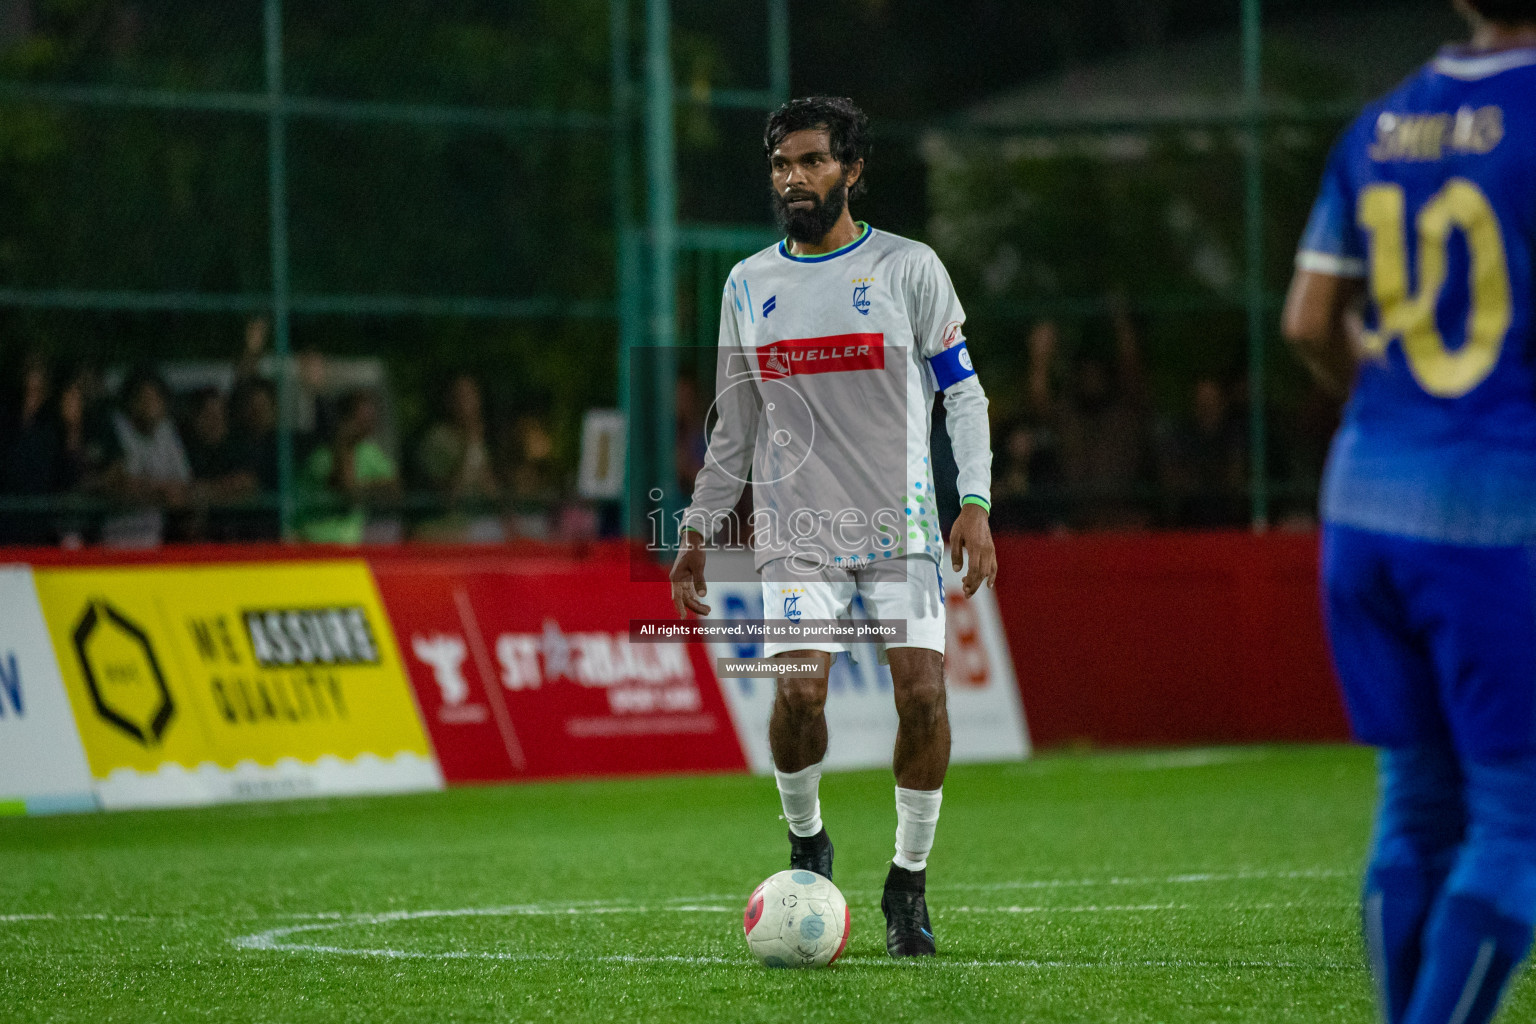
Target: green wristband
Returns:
[[976, 499]]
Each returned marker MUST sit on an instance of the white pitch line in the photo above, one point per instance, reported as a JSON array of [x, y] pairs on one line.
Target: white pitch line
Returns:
[[255, 942], [269, 939], [274, 940]]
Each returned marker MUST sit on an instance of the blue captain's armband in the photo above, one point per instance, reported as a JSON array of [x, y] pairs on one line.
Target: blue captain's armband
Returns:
[[952, 366]]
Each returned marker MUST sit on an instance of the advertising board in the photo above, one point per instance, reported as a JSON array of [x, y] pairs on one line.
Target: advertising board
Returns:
[[524, 669], [42, 766], [208, 683]]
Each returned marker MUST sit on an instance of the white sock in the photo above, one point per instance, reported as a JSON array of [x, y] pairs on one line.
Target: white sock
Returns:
[[799, 792], [917, 817]]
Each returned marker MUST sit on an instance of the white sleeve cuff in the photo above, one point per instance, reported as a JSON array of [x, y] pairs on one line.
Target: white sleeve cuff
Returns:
[[1327, 263]]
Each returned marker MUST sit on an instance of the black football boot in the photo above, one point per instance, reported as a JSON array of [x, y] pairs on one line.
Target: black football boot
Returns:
[[811, 853], [907, 929]]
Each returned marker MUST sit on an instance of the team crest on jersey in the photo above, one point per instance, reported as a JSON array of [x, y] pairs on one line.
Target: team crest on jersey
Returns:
[[861, 287], [792, 603]]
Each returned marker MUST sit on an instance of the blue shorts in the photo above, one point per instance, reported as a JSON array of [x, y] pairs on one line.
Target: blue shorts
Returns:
[[1434, 643]]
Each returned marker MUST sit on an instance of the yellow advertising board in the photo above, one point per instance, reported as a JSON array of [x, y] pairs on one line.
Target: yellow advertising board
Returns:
[[197, 684]]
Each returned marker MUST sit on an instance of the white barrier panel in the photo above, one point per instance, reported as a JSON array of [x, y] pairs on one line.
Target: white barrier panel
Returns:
[[42, 764], [986, 716]]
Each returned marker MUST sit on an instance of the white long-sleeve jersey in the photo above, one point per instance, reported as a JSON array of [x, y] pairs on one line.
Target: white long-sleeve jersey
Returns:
[[826, 375]]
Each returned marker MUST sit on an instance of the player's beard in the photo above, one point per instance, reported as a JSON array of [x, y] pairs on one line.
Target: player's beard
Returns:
[[811, 225]]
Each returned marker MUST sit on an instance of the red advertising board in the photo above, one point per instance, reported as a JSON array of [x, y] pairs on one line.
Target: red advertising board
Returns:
[[1160, 639], [523, 669]]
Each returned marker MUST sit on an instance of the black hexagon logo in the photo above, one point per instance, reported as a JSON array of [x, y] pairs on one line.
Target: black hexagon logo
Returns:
[[121, 671]]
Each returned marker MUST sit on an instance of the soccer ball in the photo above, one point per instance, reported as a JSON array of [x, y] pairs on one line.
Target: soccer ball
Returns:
[[796, 919]]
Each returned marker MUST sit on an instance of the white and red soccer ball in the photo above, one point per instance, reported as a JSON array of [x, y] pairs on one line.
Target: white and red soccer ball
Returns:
[[797, 918]]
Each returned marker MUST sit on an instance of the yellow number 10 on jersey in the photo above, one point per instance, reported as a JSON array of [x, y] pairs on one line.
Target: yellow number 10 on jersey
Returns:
[[1409, 314]]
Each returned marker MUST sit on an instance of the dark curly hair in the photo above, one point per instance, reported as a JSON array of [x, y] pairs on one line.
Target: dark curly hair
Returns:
[[844, 123], [1511, 12]]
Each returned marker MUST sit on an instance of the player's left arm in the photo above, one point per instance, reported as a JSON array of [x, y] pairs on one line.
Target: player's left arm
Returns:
[[1322, 323], [965, 415], [938, 323], [1322, 311]]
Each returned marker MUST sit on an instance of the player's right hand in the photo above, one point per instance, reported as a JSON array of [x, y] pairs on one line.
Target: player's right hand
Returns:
[[688, 576]]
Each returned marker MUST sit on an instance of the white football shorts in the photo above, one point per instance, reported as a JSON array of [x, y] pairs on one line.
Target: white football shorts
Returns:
[[906, 589]]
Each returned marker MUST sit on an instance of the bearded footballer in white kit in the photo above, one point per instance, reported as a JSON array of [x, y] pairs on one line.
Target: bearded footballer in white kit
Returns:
[[855, 330]]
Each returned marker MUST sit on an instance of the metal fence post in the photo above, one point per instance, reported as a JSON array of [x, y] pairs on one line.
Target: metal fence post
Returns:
[[778, 49], [630, 302], [1258, 328], [277, 212], [661, 166]]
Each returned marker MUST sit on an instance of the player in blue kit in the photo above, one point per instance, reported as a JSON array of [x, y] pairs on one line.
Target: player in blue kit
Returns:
[[1414, 284]]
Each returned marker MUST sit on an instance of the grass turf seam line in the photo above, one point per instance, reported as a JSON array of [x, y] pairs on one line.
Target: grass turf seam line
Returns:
[[704, 902]]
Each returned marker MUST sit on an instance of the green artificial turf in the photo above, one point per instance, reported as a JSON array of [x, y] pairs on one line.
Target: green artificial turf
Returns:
[[1179, 886]]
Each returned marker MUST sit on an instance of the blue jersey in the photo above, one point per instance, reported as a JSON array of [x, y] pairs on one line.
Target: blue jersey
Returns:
[[1430, 198]]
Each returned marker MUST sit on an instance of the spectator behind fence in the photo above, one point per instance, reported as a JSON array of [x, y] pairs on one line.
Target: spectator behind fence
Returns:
[[1206, 462], [453, 460], [453, 457], [210, 451], [532, 477], [29, 451], [1026, 488], [149, 467], [150, 462], [1106, 450], [28, 439], [253, 439], [82, 451], [313, 409], [352, 469], [1027, 491], [253, 443]]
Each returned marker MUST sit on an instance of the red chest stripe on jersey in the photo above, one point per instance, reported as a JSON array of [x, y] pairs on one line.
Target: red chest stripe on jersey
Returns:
[[836, 353]]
